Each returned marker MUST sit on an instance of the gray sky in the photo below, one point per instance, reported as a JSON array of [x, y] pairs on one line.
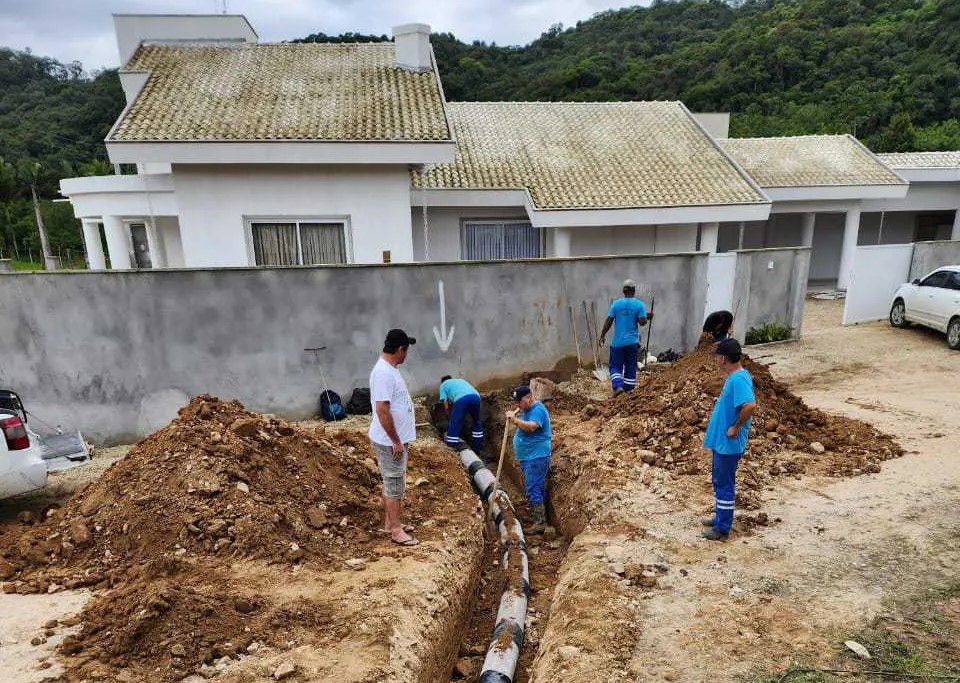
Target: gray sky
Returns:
[[83, 29]]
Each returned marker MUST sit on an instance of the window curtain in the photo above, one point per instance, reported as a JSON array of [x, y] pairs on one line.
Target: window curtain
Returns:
[[500, 241], [275, 244], [322, 243]]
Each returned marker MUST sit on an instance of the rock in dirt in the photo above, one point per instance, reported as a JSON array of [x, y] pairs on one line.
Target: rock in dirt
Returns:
[[317, 518], [285, 670], [817, 447], [244, 606], [6, 569], [80, 534], [178, 651], [568, 651], [648, 457], [858, 649], [357, 563], [589, 411], [467, 668], [26, 517]]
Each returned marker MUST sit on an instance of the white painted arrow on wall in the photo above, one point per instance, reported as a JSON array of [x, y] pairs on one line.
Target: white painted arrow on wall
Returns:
[[444, 338]]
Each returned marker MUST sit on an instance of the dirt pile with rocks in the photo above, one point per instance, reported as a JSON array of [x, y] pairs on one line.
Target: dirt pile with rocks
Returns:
[[218, 481], [664, 420], [217, 494]]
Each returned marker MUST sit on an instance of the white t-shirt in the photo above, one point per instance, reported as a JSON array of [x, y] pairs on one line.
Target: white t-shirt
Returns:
[[386, 384]]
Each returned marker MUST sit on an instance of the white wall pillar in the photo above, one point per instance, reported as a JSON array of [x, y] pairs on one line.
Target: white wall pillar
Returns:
[[91, 240], [158, 254], [955, 233], [806, 236], [851, 230], [561, 242], [118, 242], [709, 235]]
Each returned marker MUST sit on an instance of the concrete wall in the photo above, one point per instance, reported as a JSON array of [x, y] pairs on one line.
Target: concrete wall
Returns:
[[216, 203], [770, 286], [929, 256], [878, 271], [116, 353]]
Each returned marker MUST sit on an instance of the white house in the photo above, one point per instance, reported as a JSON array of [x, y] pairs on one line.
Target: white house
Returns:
[[254, 154]]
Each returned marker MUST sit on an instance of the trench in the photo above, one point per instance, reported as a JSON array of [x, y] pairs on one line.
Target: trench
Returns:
[[545, 554]]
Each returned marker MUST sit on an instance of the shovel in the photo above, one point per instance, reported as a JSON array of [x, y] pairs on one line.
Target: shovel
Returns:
[[646, 351], [600, 372]]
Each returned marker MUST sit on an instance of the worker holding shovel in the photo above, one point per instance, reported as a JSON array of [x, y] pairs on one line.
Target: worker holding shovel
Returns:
[[626, 315], [532, 446]]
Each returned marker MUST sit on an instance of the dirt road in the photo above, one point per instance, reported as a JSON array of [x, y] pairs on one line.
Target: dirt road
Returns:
[[841, 552]]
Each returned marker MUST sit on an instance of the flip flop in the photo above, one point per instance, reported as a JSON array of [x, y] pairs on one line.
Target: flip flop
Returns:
[[408, 543], [406, 528]]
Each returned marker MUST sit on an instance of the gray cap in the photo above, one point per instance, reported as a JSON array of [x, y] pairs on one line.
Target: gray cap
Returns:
[[629, 284]]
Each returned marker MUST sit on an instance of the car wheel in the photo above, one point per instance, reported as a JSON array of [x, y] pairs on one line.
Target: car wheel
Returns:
[[898, 314], [953, 334]]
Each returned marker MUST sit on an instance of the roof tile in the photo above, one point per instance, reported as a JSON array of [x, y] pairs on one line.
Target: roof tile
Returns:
[[918, 160], [288, 91]]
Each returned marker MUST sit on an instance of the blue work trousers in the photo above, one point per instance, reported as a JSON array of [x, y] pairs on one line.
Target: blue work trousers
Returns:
[[623, 366], [535, 479], [724, 474], [467, 405]]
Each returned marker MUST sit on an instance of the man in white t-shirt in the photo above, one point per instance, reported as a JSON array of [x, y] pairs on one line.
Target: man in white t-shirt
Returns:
[[392, 428]]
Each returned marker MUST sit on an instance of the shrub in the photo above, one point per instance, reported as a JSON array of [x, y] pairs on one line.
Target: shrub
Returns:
[[769, 332]]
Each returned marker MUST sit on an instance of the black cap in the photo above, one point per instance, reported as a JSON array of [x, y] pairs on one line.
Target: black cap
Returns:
[[397, 339], [728, 347], [520, 392]]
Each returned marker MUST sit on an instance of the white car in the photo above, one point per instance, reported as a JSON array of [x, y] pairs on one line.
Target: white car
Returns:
[[22, 467], [933, 301]]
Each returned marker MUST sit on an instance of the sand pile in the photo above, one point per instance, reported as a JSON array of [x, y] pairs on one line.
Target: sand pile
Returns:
[[664, 419]]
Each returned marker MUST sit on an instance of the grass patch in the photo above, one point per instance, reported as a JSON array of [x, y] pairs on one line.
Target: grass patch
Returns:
[[768, 332]]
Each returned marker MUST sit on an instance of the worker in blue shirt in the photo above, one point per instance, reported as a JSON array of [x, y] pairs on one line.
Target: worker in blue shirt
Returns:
[[532, 447], [726, 436], [627, 315], [461, 399]]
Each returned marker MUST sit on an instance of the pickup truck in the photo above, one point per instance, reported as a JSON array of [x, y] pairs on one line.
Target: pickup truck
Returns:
[[22, 468], [25, 456]]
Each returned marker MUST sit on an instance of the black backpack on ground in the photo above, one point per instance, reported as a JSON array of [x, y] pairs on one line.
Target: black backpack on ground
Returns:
[[359, 403], [331, 407]]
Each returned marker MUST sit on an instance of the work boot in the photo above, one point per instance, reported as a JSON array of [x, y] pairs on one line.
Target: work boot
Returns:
[[617, 391], [539, 519], [709, 521], [712, 534]]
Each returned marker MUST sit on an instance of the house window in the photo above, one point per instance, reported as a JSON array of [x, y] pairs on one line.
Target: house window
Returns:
[[499, 240], [299, 243]]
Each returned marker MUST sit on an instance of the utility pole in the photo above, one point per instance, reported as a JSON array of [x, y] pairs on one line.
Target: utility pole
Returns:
[[50, 262]]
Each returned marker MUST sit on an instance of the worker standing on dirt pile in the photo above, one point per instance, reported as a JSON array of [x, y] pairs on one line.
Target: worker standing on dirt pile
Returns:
[[726, 436], [626, 315], [391, 429], [532, 445], [461, 399], [718, 325]]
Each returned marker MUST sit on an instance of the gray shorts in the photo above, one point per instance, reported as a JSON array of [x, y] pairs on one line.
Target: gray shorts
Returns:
[[392, 470]]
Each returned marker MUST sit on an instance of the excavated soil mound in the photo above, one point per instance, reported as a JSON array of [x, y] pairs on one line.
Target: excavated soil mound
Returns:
[[218, 481], [665, 417], [216, 494]]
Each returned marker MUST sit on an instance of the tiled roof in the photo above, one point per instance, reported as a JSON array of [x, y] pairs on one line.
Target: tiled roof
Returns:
[[262, 92], [917, 160], [809, 161], [589, 155]]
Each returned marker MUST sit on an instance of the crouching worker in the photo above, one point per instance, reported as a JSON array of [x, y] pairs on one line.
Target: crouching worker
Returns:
[[726, 436], [532, 447], [461, 399], [717, 326]]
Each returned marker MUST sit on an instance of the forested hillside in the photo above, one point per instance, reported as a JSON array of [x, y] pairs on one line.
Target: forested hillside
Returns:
[[887, 71]]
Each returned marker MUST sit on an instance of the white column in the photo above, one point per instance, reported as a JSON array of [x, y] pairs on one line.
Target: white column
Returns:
[[118, 242], [709, 235], [955, 233], [158, 254], [561, 242], [851, 230], [806, 238], [91, 240]]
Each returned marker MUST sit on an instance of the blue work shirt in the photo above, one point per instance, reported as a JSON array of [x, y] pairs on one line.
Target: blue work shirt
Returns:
[[533, 445], [626, 313], [454, 389], [737, 390]]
